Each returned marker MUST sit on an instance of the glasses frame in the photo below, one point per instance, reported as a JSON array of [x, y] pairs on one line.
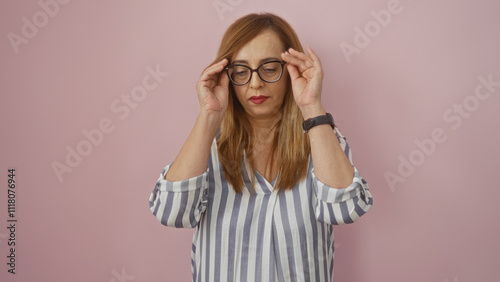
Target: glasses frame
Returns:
[[255, 70]]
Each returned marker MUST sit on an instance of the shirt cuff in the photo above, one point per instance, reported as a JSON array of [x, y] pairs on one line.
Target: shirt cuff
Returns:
[[181, 185], [358, 188]]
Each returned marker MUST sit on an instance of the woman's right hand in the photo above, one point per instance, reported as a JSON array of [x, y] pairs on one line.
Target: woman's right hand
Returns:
[[213, 96]]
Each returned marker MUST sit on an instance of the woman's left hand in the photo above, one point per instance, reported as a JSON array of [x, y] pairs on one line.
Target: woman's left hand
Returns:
[[306, 75]]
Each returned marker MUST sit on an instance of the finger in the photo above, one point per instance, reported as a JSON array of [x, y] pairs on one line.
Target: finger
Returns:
[[219, 65], [213, 70], [208, 78], [224, 80], [298, 54], [223, 62], [308, 61], [293, 72], [313, 55], [287, 57]]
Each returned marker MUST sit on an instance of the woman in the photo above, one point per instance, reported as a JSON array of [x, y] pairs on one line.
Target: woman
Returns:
[[261, 193]]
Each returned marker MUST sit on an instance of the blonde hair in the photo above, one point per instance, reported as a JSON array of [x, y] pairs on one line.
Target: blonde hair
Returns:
[[236, 133]]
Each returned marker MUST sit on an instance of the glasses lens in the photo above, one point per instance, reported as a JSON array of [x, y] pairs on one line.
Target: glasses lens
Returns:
[[239, 74], [271, 72]]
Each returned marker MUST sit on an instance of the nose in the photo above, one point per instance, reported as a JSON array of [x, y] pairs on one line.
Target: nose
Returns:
[[255, 81]]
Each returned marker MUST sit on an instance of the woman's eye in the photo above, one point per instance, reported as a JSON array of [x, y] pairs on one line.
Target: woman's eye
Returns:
[[269, 70], [241, 73]]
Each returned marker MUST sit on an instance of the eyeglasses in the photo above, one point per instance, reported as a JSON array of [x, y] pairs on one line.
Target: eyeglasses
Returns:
[[269, 72]]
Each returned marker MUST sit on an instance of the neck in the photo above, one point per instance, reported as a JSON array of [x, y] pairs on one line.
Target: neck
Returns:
[[263, 158], [264, 128]]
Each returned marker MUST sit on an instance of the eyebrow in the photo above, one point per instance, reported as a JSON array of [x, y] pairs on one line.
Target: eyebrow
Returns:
[[260, 62]]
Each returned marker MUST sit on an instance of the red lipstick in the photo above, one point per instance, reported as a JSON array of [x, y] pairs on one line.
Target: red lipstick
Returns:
[[258, 99]]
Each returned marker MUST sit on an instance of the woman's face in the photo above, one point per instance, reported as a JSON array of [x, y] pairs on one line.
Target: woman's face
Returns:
[[261, 100]]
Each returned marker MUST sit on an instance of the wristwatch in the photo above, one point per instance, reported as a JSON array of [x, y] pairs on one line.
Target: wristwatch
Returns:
[[319, 120]]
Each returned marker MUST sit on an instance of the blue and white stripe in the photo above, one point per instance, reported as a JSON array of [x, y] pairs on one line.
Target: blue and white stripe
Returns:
[[259, 236]]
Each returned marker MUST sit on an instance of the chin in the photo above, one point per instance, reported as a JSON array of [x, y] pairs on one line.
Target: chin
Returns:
[[263, 112]]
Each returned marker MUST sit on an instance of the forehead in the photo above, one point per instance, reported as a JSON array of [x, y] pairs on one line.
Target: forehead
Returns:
[[266, 44]]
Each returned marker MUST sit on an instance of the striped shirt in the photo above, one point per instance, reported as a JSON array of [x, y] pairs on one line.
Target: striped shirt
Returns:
[[264, 235]]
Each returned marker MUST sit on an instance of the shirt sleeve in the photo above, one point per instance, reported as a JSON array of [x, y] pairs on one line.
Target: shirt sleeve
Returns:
[[179, 204], [342, 206]]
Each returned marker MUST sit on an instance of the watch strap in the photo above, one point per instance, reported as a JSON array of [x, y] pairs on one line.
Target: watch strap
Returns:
[[319, 120]]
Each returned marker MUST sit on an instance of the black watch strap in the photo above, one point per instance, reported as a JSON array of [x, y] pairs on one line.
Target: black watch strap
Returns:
[[319, 120]]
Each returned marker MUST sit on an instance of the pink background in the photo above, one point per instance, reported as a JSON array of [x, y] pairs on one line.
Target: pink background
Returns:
[[440, 224]]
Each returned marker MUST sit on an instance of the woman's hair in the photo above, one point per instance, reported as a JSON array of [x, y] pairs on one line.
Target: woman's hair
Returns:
[[236, 133]]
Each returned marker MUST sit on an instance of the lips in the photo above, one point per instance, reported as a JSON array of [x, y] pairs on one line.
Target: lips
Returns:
[[258, 99]]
